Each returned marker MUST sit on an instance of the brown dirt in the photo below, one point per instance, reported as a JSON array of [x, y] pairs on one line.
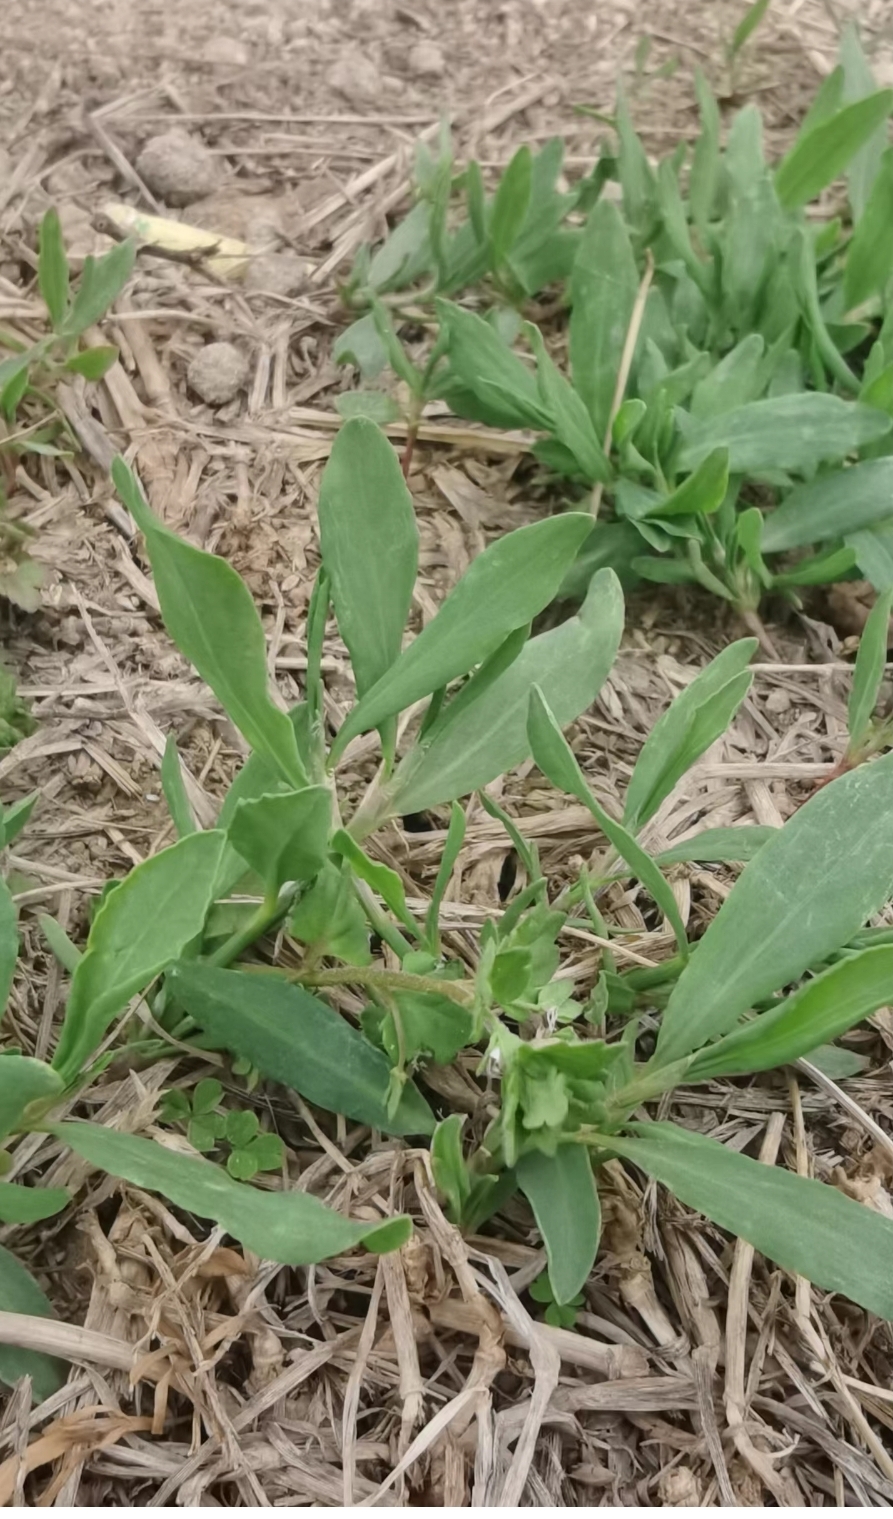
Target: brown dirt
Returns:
[[418, 1373]]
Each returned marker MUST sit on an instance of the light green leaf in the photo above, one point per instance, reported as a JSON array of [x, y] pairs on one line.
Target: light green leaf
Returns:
[[144, 924], [827, 99], [360, 344], [571, 422], [604, 285], [23, 1081], [30, 1205], [717, 846], [874, 554], [753, 225], [869, 261], [175, 795], [818, 1012], [102, 281], [284, 837], [556, 759], [793, 432], [633, 169], [825, 151], [9, 942], [561, 1191], [842, 502], [291, 1036], [451, 1174], [379, 876], [702, 493], [373, 405], [451, 850], [14, 818], [804, 894], [747, 26], [208, 611], [92, 363], [504, 589], [858, 83], [64, 949], [869, 670], [19, 1293], [694, 720], [291, 1227], [485, 366], [330, 920], [430, 1026], [510, 205], [571, 661], [52, 267], [809, 1229], [818, 569], [370, 547], [735, 381]]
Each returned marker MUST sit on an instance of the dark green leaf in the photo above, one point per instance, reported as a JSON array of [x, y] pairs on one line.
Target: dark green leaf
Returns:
[[571, 661], [293, 1037], [52, 267], [735, 381], [510, 205], [207, 1095], [561, 1191], [9, 942], [291, 1227], [241, 1128], [284, 837], [144, 924], [481, 362], [792, 433], [380, 877], [604, 285], [452, 847], [431, 1025], [92, 363], [824, 152], [803, 895], [807, 1228], [571, 422], [504, 589], [554, 756], [102, 281], [175, 790], [869, 669], [702, 493], [451, 1174], [837, 503], [695, 719], [330, 920], [822, 1010], [19, 1293], [208, 611]]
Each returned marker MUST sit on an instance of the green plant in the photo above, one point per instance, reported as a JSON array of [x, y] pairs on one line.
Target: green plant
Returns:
[[16, 721], [208, 1128], [184, 930], [731, 359], [559, 1315], [29, 422]]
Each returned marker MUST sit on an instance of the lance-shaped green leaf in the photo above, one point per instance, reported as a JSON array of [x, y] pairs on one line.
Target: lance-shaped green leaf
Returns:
[[510, 205], [858, 83], [102, 280], [208, 611], [376, 874], [173, 786], [818, 1012], [823, 153], [19, 1293], [30, 1205], [869, 670], [52, 267], [293, 1037], [561, 1191], [504, 589], [370, 546], [717, 846], [694, 720], [144, 924], [806, 1227], [793, 433], [23, 1081], [701, 494], [9, 942], [571, 422], [556, 759], [284, 836], [834, 504], [869, 260], [486, 367], [803, 895], [571, 661], [291, 1227], [604, 284]]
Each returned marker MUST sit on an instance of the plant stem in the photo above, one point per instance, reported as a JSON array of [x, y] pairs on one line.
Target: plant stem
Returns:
[[387, 981], [271, 911]]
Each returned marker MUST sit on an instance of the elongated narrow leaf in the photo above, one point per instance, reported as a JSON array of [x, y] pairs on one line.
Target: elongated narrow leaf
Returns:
[[873, 548], [571, 662], [486, 367], [859, 83], [376, 874], [604, 284], [30, 1205], [571, 422], [717, 846], [175, 791], [793, 432], [869, 261], [293, 1037], [823, 154], [510, 204], [806, 1227], [694, 720], [557, 760], [291, 1227], [330, 920], [869, 669], [805, 893], [735, 381], [451, 850], [504, 589], [144, 924], [23, 1081], [284, 837], [52, 267], [14, 818], [747, 25], [820, 1011], [369, 545], [19, 1293], [704, 176], [9, 942], [701, 494], [561, 1191], [102, 280], [835, 504], [208, 611]]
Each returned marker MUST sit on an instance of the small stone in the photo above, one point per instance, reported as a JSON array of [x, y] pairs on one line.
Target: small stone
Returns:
[[426, 59], [227, 50], [356, 77], [276, 274], [177, 167], [778, 702], [217, 373]]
